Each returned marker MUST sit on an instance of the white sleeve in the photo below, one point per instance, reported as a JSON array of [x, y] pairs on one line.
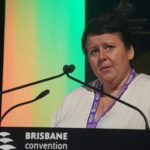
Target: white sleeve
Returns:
[[56, 117], [71, 108]]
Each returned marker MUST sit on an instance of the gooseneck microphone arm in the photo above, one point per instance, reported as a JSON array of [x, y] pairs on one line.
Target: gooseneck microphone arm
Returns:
[[30, 84], [69, 69], [23, 86], [41, 95]]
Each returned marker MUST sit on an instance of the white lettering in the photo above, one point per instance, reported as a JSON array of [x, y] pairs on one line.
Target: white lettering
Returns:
[[54, 145], [46, 136]]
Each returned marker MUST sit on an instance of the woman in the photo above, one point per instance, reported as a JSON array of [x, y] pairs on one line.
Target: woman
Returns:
[[108, 45]]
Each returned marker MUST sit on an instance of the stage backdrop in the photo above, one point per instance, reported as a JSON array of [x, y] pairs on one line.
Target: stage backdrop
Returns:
[[43, 35], [40, 37], [2, 17]]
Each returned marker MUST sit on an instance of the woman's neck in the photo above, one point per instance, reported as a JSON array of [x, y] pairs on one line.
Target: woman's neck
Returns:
[[115, 86]]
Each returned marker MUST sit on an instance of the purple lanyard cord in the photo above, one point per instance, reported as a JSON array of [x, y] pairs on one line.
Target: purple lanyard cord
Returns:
[[92, 122]]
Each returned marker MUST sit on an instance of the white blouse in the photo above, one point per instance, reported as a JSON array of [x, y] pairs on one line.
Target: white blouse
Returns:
[[74, 110]]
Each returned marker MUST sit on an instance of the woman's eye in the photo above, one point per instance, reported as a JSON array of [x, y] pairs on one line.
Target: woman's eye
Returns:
[[94, 51], [109, 47]]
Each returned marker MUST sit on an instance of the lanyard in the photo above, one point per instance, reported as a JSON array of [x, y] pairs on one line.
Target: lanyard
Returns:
[[92, 122]]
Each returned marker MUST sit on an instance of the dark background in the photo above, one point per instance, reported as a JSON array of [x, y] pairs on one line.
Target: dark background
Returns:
[[2, 14], [137, 10]]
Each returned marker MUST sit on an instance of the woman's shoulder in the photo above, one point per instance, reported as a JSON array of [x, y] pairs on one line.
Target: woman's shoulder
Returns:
[[78, 96], [142, 77], [141, 83], [82, 92], [84, 88]]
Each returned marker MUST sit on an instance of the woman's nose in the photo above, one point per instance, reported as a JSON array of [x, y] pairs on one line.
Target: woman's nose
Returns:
[[102, 55]]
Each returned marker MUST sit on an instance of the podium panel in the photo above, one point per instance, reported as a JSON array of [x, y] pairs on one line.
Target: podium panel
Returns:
[[22, 138]]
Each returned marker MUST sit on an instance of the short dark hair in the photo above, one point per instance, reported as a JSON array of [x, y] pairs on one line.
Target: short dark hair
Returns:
[[109, 23]]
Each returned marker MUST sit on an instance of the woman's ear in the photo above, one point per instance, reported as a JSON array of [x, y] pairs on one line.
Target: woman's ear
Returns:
[[131, 53]]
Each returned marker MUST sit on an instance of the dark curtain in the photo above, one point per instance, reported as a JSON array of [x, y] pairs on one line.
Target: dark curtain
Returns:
[[138, 12]]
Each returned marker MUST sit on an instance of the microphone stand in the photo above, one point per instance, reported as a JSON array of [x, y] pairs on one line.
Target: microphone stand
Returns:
[[100, 91], [30, 84], [41, 95]]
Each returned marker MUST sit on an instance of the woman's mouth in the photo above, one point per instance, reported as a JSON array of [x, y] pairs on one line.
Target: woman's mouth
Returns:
[[105, 68]]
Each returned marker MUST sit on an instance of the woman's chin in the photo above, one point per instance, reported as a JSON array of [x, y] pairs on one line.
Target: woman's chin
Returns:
[[108, 77]]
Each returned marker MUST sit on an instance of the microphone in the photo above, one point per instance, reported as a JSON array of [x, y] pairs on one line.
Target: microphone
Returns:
[[41, 95], [69, 69], [32, 83]]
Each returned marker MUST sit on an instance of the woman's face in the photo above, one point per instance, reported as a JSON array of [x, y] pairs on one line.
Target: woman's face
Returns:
[[108, 57]]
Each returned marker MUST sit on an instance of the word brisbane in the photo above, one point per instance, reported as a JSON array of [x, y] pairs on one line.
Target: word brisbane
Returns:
[[46, 136]]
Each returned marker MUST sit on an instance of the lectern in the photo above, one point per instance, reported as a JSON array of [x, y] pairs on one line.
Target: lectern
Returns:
[[22, 138]]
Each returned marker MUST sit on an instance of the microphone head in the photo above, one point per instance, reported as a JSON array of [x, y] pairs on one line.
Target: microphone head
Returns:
[[42, 94], [68, 68]]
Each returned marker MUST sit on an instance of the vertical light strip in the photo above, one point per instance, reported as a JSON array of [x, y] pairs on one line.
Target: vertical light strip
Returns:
[[40, 37]]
